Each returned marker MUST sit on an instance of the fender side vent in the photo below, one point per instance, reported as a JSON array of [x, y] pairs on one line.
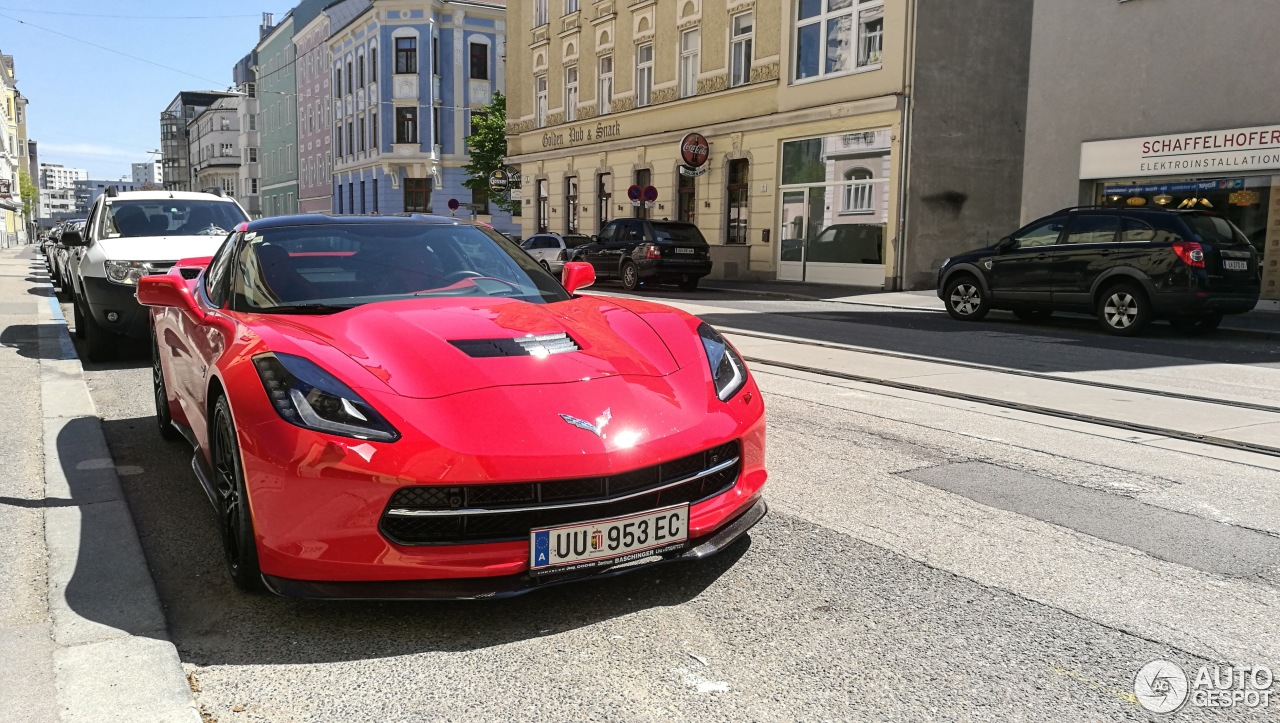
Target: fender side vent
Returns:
[[544, 345]]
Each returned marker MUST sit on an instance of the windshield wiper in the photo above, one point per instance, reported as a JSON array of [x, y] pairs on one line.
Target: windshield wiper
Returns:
[[318, 309]]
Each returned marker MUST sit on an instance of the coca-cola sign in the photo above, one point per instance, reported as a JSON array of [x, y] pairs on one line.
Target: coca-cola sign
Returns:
[[694, 150]]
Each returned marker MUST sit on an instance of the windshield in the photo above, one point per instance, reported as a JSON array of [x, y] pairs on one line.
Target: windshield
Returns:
[[172, 217], [678, 232], [1216, 230], [327, 268]]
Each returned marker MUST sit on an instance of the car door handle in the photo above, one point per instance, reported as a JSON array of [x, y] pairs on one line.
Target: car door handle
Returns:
[[1104, 252], [1041, 257]]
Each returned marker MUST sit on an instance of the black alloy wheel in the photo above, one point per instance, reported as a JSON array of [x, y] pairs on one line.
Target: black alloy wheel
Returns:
[[1197, 325], [1033, 316], [965, 299], [239, 542], [1124, 310], [545, 265], [77, 315], [630, 276], [164, 419]]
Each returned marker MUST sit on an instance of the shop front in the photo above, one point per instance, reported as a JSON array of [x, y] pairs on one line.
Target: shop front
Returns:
[[1233, 173]]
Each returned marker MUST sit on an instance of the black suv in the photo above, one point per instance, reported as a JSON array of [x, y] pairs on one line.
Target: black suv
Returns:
[[1125, 265], [636, 250]]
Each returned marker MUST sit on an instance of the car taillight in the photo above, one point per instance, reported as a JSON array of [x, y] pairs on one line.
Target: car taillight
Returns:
[[1190, 252], [564, 255], [652, 252]]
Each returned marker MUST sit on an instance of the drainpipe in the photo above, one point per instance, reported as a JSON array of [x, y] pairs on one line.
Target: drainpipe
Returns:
[[904, 164]]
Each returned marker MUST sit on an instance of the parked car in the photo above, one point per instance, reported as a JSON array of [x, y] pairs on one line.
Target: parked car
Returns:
[[343, 379], [841, 243], [552, 250], [1128, 266], [128, 236], [57, 253], [637, 250]]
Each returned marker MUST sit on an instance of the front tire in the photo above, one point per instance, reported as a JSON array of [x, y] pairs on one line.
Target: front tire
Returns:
[[164, 418], [239, 541], [1124, 310], [77, 314], [630, 276], [98, 342], [965, 299]]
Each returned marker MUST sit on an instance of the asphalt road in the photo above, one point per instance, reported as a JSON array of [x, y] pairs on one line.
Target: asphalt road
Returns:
[[923, 561]]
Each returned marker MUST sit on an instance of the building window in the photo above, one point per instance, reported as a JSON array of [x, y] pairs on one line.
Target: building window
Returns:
[[604, 86], [363, 147], [435, 125], [252, 90], [480, 201], [351, 78], [540, 101], [253, 154], [825, 36], [373, 130], [362, 78], [406, 56], [644, 179], [604, 196], [229, 186], [362, 206], [740, 51], [351, 138], [351, 197], [375, 195], [858, 191], [337, 82], [253, 186], [224, 123], [373, 68], [406, 125], [227, 149], [479, 61], [540, 16], [417, 195], [541, 200], [690, 62], [338, 195], [253, 122], [337, 136], [571, 205], [570, 6], [686, 198], [738, 197], [644, 75], [571, 93]]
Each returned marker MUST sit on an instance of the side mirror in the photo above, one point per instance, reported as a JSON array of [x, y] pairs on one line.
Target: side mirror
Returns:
[[71, 238], [577, 275], [169, 292], [1005, 244]]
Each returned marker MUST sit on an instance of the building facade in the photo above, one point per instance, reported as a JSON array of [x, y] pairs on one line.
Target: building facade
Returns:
[[406, 78], [1185, 140], [150, 173], [174, 144], [315, 105], [13, 156], [55, 176], [56, 204], [250, 177], [848, 141], [87, 192], [214, 150]]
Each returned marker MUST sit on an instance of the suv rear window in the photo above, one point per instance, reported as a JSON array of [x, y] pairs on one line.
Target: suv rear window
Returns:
[[1216, 230], [678, 233]]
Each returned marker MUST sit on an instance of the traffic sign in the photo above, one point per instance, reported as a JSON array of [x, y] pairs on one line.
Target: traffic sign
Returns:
[[453, 204], [650, 194], [634, 193]]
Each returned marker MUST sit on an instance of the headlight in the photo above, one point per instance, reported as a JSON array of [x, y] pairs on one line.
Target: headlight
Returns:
[[312, 398], [727, 368], [128, 272]]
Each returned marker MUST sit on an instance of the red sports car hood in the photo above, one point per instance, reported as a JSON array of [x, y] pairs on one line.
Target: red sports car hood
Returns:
[[411, 345]]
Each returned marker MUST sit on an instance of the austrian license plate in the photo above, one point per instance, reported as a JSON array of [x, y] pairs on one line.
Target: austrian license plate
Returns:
[[608, 542], [1232, 265], [685, 251]]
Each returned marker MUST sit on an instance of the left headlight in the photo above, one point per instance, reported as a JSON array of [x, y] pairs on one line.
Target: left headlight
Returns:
[[727, 368], [128, 272], [310, 397]]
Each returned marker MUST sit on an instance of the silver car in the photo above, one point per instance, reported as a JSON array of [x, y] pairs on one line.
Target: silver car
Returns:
[[552, 250]]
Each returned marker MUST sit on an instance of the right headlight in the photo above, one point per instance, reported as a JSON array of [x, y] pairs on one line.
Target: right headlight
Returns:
[[727, 368]]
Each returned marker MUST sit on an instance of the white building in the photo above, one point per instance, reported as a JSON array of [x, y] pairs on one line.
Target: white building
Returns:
[[56, 204], [149, 173], [55, 176]]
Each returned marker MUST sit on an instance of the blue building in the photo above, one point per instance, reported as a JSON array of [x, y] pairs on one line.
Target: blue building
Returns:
[[407, 75]]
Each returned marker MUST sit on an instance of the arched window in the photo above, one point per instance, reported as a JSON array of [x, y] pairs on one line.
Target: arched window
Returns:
[[858, 191]]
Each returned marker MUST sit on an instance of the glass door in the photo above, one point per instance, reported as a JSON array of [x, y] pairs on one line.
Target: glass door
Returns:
[[803, 215]]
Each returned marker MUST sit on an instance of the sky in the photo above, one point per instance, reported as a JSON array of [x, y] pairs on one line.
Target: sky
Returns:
[[95, 109]]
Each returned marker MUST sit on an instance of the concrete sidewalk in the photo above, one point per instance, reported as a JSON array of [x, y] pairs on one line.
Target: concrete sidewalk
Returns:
[[83, 636], [1262, 322]]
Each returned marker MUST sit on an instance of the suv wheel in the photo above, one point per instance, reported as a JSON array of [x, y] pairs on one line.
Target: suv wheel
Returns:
[[77, 314], [97, 341], [965, 299], [1196, 325], [630, 276], [1123, 310]]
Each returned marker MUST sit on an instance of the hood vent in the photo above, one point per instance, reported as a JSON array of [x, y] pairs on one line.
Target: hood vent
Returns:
[[544, 345]]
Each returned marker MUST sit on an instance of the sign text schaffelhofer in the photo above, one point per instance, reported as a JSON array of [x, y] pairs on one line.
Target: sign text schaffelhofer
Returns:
[[1226, 151]]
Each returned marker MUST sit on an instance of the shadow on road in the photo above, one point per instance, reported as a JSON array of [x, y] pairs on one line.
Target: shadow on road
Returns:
[[213, 623]]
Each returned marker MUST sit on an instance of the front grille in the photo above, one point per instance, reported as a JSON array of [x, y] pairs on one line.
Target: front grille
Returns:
[[439, 515]]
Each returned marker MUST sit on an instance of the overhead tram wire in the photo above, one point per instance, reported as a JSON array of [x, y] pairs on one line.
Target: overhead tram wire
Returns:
[[128, 17], [216, 83]]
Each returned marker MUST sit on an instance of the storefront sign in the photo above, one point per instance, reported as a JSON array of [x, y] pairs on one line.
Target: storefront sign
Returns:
[[6, 187], [1232, 184], [1242, 149], [694, 150], [499, 181], [692, 172], [580, 135]]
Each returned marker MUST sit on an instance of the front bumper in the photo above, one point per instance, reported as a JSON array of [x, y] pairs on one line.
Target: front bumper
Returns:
[[104, 298], [493, 588]]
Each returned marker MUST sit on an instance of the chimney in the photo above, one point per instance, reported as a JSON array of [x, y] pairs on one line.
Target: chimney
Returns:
[[267, 24]]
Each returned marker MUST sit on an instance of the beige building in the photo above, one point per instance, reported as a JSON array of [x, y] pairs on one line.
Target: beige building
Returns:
[[810, 110]]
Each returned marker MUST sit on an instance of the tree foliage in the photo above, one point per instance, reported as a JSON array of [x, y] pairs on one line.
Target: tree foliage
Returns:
[[29, 192], [488, 147]]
